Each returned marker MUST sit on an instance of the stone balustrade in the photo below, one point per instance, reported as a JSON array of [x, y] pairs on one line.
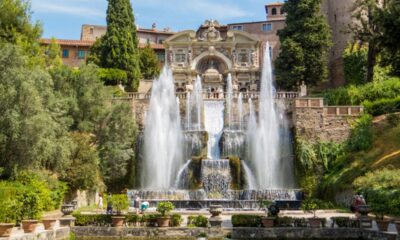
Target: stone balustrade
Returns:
[[216, 95], [329, 110]]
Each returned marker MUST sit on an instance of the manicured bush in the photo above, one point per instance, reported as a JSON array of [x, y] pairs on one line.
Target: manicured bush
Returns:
[[176, 220], [284, 222], [165, 207], [120, 202], [132, 218], [246, 220], [112, 76], [197, 221], [149, 220], [92, 219], [383, 106]]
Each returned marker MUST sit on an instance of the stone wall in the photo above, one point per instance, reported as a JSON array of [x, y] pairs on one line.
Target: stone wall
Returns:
[[315, 122], [62, 233]]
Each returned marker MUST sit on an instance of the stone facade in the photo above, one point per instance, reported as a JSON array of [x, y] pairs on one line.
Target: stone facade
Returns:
[[339, 16], [315, 122]]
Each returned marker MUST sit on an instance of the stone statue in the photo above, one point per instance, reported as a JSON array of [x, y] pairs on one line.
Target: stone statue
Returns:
[[234, 57], [211, 34], [170, 57]]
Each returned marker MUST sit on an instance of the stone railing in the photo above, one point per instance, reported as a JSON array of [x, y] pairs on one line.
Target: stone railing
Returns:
[[216, 95], [329, 110]]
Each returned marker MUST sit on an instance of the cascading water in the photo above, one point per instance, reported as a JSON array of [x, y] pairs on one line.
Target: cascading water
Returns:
[[162, 136], [250, 180], [214, 125], [216, 178], [229, 91], [265, 137]]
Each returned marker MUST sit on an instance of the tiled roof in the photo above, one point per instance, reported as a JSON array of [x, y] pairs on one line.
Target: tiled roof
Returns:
[[275, 4], [88, 43], [68, 42]]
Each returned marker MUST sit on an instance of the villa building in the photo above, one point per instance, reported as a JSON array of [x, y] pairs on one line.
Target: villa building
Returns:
[[75, 52]]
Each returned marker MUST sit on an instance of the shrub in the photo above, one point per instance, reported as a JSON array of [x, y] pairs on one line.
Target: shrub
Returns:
[[197, 221], [311, 205], [120, 202], [354, 63], [112, 76], [284, 221], [361, 137], [176, 220], [246, 220], [393, 119], [165, 207], [132, 218], [92, 219], [29, 205], [341, 221], [7, 211], [149, 220], [382, 106]]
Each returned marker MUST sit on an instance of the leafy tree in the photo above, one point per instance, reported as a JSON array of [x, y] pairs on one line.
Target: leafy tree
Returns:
[[82, 171], [29, 135], [149, 63], [306, 40], [119, 46], [390, 25], [116, 141], [355, 63], [15, 22], [366, 29], [53, 54]]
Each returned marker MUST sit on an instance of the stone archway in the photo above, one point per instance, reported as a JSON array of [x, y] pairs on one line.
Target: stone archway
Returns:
[[214, 54]]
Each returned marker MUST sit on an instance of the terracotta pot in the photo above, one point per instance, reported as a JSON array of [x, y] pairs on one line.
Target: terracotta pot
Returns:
[[118, 221], [163, 221], [268, 222], [49, 223], [29, 226], [5, 229], [315, 222], [382, 225]]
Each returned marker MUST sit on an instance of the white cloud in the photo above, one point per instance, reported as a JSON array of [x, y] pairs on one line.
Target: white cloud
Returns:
[[74, 8]]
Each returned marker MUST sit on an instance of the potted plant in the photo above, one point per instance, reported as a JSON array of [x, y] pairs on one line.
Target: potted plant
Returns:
[[120, 203], [164, 208], [311, 206], [7, 218], [30, 210], [271, 211]]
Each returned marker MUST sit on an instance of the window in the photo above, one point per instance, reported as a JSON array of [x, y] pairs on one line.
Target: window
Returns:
[[161, 57], [148, 40], [160, 41], [180, 57], [267, 27], [237, 27], [65, 53], [91, 31], [81, 54], [273, 11], [282, 11], [243, 56]]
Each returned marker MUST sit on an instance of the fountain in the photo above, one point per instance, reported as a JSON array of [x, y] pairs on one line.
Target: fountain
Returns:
[[162, 136], [236, 152]]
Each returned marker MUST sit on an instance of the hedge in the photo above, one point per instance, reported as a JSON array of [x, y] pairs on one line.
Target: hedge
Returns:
[[383, 106], [246, 220], [92, 219], [197, 221]]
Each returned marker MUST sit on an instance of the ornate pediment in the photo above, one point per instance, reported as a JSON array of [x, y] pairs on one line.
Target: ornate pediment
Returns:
[[211, 33]]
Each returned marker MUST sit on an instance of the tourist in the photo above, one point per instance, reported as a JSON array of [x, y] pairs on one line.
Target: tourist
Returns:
[[109, 204], [100, 203], [144, 206], [137, 203]]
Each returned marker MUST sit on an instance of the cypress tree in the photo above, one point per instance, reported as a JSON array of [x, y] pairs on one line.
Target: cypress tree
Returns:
[[306, 40], [149, 63], [119, 47]]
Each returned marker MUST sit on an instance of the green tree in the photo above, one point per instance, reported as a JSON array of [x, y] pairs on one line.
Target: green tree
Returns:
[[15, 22], [82, 171], [389, 22], [119, 46], [306, 40], [355, 63], [367, 30], [149, 63], [53, 54], [116, 141], [30, 137]]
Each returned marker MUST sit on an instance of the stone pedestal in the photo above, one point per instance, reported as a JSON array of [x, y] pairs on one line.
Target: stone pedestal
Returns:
[[67, 221], [215, 219]]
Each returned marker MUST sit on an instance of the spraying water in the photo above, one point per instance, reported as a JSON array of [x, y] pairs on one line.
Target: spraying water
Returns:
[[240, 111], [229, 100], [198, 102], [188, 112], [162, 136], [265, 137]]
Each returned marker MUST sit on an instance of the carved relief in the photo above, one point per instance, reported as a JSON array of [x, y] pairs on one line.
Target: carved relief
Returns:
[[211, 34]]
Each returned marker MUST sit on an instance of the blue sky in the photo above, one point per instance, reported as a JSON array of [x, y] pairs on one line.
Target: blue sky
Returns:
[[63, 18]]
